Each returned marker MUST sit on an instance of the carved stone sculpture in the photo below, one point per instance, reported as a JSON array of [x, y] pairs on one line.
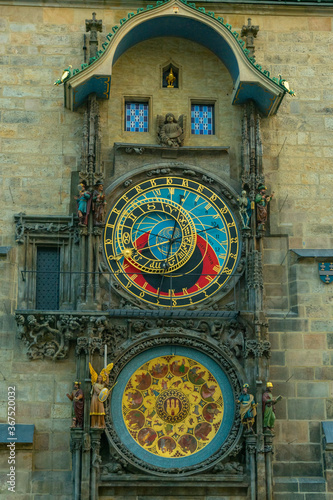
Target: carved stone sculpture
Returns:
[[78, 404], [99, 382], [247, 408], [171, 132]]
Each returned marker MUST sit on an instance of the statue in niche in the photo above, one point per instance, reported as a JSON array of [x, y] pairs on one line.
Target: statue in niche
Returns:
[[83, 202], [245, 210], [268, 407], [98, 204], [247, 408], [171, 79], [78, 405], [262, 199], [99, 394], [171, 132]]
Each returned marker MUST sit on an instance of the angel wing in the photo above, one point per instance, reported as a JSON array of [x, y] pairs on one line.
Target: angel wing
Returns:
[[93, 374], [182, 124], [160, 122], [106, 371]]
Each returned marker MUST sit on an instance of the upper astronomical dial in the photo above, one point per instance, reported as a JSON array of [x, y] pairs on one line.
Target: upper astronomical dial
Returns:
[[172, 242]]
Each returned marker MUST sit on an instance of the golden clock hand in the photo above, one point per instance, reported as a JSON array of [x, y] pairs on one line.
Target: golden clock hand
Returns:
[[182, 199], [202, 231], [153, 234]]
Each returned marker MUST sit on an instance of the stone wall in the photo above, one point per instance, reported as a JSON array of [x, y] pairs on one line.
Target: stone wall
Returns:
[[40, 148]]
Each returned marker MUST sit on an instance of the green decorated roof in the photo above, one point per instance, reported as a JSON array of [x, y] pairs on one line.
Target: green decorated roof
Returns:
[[183, 19]]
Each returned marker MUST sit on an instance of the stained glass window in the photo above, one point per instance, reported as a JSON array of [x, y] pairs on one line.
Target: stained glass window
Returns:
[[202, 119], [136, 117]]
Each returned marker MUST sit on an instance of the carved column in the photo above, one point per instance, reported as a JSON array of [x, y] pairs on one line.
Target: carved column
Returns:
[[93, 25], [91, 173], [251, 449], [76, 449], [268, 450], [95, 461], [87, 349]]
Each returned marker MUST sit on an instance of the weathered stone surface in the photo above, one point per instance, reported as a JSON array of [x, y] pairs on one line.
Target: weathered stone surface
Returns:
[[306, 409]]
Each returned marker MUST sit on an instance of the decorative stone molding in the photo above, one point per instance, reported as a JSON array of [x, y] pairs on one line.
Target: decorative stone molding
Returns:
[[229, 445]]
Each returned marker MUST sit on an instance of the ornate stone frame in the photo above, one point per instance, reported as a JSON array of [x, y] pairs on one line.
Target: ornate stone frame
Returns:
[[164, 337], [223, 189]]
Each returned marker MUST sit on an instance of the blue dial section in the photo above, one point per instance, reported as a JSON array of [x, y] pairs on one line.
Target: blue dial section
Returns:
[[172, 242]]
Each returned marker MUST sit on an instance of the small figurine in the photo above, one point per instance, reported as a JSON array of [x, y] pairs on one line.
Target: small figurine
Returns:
[[98, 204], [262, 199], [268, 407], [247, 408], [99, 382], [245, 210], [65, 75], [170, 79], [170, 131], [78, 405], [83, 202]]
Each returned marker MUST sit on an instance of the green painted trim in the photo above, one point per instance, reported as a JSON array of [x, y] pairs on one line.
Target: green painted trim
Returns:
[[266, 73]]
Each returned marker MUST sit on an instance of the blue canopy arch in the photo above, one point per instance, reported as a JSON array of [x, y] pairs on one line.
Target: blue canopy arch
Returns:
[[177, 18]]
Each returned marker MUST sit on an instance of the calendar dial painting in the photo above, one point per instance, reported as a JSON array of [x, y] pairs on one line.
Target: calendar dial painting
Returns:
[[171, 242], [172, 406]]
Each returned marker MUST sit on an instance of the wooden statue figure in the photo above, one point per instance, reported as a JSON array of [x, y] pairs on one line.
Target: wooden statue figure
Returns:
[[268, 407], [245, 210], [262, 199], [98, 204], [247, 409], [171, 132], [83, 203], [78, 405], [99, 382]]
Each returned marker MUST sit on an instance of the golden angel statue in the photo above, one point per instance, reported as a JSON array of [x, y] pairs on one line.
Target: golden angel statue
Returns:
[[99, 394], [171, 132]]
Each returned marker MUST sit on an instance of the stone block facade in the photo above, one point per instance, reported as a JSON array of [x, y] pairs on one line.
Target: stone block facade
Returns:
[[40, 148]]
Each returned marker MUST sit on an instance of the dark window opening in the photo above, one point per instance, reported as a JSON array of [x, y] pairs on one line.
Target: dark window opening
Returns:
[[47, 280]]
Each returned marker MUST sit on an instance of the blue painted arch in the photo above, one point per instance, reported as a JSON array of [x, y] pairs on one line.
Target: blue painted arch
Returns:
[[188, 28], [190, 23]]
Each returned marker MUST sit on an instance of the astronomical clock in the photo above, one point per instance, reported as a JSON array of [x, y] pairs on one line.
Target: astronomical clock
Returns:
[[172, 245], [172, 242]]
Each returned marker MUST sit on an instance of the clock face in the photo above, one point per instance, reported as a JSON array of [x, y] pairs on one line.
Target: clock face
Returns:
[[172, 242]]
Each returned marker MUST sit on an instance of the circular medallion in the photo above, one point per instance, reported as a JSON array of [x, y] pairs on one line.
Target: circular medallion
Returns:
[[172, 406], [171, 242], [179, 412]]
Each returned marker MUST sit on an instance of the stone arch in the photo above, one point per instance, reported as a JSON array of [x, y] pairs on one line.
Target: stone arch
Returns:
[[177, 18]]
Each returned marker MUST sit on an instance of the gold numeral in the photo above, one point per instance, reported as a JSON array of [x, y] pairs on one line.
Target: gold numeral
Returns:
[[152, 183], [185, 183], [185, 292], [217, 269], [169, 180]]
